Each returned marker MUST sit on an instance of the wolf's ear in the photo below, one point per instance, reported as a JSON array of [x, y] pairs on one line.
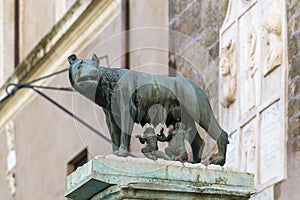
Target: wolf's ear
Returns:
[[95, 59], [72, 58]]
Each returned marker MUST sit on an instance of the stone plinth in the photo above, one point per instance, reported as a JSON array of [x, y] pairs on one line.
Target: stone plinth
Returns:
[[112, 177]]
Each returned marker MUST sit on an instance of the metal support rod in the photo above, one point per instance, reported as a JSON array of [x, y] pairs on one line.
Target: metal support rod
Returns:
[[68, 89], [33, 87], [48, 76], [70, 113]]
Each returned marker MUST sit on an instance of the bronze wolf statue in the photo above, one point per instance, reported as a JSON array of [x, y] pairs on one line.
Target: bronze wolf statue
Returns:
[[127, 97]]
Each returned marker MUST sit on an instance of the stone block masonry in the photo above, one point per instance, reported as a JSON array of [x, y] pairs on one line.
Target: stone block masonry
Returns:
[[288, 189], [111, 177], [197, 51]]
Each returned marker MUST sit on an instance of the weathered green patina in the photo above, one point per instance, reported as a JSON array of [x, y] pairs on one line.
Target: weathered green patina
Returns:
[[126, 97], [112, 177]]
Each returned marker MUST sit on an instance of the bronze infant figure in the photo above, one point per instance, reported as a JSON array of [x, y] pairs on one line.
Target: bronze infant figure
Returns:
[[176, 137], [151, 150], [126, 97]]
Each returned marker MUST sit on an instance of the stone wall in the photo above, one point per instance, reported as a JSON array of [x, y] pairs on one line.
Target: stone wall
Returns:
[[194, 48], [194, 41], [288, 189], [200, 22], [294, 74]]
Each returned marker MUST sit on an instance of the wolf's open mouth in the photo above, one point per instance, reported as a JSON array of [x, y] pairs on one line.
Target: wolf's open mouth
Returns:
[[87, 78]]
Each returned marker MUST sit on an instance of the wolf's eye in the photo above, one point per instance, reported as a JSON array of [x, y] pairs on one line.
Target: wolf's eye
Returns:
[[79, 66]]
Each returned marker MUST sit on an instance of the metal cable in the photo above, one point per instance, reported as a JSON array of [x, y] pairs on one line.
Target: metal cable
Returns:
[[34, 88], [48, 76], [70, 113]]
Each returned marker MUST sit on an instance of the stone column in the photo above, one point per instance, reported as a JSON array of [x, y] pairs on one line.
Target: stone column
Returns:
[[113, 177]]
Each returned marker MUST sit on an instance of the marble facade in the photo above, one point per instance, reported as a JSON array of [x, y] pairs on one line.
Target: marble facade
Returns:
[[255, 120]]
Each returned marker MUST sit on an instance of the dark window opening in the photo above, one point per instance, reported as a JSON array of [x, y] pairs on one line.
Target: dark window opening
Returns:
[[78, 161]]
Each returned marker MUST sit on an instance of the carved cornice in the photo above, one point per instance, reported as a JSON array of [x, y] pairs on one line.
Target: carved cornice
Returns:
[[71, 34]]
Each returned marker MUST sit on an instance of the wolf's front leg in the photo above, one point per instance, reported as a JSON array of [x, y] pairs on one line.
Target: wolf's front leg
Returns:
[[126, 111], [114, 130], [127, 127], [127, 122]]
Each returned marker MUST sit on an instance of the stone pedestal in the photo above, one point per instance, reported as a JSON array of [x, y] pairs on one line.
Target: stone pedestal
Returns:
[[112, 177]]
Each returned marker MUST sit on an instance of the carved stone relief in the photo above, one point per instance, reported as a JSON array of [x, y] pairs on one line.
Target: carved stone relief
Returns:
[[243, 5], [248, 64], [272, 28], [228, 75], [256, 118], [249, 161], [11, 157], [252, 67]]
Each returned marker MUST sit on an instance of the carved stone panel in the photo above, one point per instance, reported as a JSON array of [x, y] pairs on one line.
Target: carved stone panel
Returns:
[[228, 78], [232, 151], [253, 37], [272, 50], [248, 60], [271, 145], [249, 148], [272, 36]]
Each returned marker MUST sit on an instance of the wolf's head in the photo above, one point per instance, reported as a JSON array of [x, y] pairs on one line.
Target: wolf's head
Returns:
[[84, 75]]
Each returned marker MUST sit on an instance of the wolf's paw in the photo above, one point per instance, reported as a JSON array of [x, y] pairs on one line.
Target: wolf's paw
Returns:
[[121, 153], [218, 160]]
